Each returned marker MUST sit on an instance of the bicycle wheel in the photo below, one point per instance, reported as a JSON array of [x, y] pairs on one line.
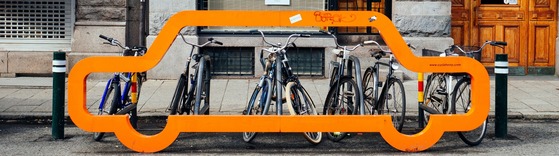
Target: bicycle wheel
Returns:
[[202, 103], [435, 94], [394, 102], [178, 96], [105, 107], [299, 100], [462, 103], [258, 104], [369, 90], [341, 100]]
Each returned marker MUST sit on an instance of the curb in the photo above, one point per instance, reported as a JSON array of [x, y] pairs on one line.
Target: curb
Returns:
[[43, 118]]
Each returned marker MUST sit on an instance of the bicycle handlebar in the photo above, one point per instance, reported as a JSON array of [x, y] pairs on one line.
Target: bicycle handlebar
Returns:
[[278, 47], [492, 43], [113, 42], [210, 40]]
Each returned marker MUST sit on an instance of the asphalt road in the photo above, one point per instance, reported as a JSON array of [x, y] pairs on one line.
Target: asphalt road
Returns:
[[525, 138]]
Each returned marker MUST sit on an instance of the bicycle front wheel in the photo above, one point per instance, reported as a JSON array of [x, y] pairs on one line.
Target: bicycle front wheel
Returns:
[[462, 103], [341, 100], [258, 104], [394, 104], [202, 104], [105, 107], [300, 103], [435, 95]]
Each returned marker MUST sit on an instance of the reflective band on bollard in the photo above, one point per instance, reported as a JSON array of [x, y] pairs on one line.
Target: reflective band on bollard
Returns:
[[501, 73], [58, 88]]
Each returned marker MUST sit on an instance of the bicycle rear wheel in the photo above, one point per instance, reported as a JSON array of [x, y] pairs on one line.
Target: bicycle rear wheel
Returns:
[[369, 90], [258, 104], [435, 94], [300, 103], [105, 107], [394, 102], [341, 100], [202, 104], [462, 103], [113, 94]]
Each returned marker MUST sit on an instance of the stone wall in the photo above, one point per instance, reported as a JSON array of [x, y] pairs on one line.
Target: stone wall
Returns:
[[424, 24], [93, 18], [174, 60]]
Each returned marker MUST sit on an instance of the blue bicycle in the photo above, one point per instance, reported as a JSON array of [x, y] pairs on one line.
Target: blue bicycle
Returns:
[[123, 100]]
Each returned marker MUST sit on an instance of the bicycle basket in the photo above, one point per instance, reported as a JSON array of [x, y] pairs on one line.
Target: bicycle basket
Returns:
[[471, 51]]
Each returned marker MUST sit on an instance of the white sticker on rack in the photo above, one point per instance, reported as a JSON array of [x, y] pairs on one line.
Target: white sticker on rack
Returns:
[[295, 19]]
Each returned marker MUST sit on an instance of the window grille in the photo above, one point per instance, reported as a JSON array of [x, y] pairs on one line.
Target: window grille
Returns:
[[34, 23], [231, 61], [306, 61]]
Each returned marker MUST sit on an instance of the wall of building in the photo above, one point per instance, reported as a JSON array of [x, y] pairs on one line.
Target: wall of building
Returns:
[[93, 18], [424, 24]]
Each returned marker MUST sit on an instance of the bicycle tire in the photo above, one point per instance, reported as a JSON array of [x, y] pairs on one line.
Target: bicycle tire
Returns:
[[178, 96], [298, 99], [432, 98], [260, 94], [369, 90], [394, 102], [202, 90], [462, 103], [98, 136], [338, 90]]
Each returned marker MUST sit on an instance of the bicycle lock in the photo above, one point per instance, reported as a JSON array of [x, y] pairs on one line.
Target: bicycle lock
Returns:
[[58, 88], [501, 73]]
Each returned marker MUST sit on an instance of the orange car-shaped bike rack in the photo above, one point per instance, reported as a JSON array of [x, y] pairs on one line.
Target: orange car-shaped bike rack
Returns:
[[119, 124]]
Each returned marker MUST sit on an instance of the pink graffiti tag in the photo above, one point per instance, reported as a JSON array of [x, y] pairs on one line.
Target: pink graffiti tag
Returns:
[[333, 18]]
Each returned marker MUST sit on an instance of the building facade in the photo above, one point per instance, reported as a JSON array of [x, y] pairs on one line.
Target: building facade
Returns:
[[30, 30]]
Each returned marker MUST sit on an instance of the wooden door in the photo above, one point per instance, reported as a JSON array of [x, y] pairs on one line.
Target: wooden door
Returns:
[[501, 22], [529, 27], [542, 17]]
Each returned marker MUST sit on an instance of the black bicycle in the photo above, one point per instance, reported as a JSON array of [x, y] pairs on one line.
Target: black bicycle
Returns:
[[345, 93], [195, 100], [392, 98], [279, 76]]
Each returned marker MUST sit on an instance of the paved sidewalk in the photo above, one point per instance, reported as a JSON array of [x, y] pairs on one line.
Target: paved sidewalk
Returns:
[[529, 97]]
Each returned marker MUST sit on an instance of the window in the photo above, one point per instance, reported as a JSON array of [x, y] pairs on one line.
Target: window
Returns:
[[382, 6], [34, 25], [306, 61], [231, 61]]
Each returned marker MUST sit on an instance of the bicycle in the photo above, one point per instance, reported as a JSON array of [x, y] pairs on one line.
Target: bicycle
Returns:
[[344, 93], [436, 91], [195, 100], [124, 100], [278, 75], [392, 98]]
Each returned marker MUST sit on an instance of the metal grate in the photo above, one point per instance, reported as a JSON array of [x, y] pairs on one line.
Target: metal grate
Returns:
[[361, 5], [231, 61], [41, 19], [306, 61]]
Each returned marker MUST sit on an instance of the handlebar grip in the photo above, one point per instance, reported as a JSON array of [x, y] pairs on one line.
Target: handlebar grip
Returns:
[[305, 35], [105, 37], [368, 42], [218, 42], [500, 43]]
